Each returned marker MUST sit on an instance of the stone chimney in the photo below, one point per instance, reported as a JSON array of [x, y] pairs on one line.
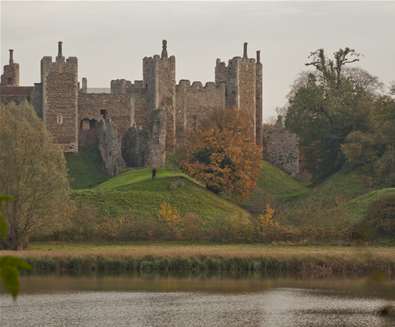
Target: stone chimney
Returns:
[[164, 49], [11, 56], [60, 52], [84, 88], [245, 56]]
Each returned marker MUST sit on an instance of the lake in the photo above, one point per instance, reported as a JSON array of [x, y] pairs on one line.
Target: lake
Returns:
[[170, 301]]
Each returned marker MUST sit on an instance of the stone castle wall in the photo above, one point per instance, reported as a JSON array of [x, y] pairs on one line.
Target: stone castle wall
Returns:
[[96, 106], [138, 100], [194, 104]]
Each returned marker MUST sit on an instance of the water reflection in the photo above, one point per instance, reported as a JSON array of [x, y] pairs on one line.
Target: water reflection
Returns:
[[134, 301]]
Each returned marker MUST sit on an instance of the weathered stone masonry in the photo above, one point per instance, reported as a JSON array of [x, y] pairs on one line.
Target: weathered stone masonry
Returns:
[[156, 111]]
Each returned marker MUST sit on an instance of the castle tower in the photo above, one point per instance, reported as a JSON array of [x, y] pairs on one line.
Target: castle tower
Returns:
[[10, 76], [259, 91], [159, 73], [60, 99], [240, 79]]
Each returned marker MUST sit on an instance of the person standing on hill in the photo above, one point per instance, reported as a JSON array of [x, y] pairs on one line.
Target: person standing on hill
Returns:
[[153, 172]]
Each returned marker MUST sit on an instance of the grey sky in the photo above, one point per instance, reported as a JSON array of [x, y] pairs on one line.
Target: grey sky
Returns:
[[111, 38]]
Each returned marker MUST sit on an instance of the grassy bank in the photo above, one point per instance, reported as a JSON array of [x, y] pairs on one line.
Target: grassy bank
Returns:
[[126, 207], [305, 261]]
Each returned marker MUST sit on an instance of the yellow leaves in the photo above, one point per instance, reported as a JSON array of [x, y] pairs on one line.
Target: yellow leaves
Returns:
[[222, 155], [169, 215], [267, 218]]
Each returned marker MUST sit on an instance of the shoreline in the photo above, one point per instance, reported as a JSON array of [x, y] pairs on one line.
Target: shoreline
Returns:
[[200, 259]]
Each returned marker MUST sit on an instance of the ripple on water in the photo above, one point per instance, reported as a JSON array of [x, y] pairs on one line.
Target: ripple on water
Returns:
[[275, 307]]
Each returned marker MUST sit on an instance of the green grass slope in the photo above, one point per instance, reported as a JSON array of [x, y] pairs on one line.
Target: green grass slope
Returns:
[[358, 207], [340, 188], [85, 168], [135, 193], [274, 186], [341, 200]]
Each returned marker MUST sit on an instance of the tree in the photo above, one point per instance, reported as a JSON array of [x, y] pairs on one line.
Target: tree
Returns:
[[33, 171], [9, 266], [328, 104], [373, 149], [223, 155]]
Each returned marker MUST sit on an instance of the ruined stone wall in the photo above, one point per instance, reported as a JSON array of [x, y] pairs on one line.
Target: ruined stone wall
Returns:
[[110, 147], [60, 100], [96, 106], [195, 104], [138, 101], [281, 148]]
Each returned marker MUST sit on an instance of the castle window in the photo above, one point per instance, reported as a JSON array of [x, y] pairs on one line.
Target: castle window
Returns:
[[103, 113], [59, 119]]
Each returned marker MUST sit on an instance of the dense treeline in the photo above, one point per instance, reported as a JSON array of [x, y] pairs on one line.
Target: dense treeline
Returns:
[[344, 118]]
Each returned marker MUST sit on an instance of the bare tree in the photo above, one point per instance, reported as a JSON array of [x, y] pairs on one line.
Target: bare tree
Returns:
[[331, 68]]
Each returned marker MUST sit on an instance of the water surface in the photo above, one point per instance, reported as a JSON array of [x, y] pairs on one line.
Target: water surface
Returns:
[[158, 301]]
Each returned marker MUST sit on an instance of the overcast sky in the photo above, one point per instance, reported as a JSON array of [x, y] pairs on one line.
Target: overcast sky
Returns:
[[111, 38]]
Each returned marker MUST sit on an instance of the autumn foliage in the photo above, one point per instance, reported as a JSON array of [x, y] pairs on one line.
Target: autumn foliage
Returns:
[[223, 155]]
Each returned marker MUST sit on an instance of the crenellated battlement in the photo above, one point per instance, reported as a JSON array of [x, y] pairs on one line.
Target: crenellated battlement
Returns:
[[197, 86]]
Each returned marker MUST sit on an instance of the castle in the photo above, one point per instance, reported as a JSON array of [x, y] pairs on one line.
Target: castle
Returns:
[[155, 114]]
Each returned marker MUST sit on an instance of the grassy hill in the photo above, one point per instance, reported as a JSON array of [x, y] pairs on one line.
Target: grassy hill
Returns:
[[341, 200], [135, 196], [274, 186]]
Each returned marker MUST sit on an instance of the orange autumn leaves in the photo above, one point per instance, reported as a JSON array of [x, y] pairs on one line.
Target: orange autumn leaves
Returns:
[[223, 155]]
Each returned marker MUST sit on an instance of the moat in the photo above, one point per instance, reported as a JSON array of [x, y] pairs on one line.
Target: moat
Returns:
[[171, 301]]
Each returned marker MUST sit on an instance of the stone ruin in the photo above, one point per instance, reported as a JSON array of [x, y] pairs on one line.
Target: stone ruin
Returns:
[[281, 147]]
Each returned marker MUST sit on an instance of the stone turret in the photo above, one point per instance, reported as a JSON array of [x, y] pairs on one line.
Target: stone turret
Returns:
[[240, 79], [60, 99], [259, 99], [159, 74], [10, 76]]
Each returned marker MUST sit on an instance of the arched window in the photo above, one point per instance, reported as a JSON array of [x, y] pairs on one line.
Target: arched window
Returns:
[[59, 119]]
